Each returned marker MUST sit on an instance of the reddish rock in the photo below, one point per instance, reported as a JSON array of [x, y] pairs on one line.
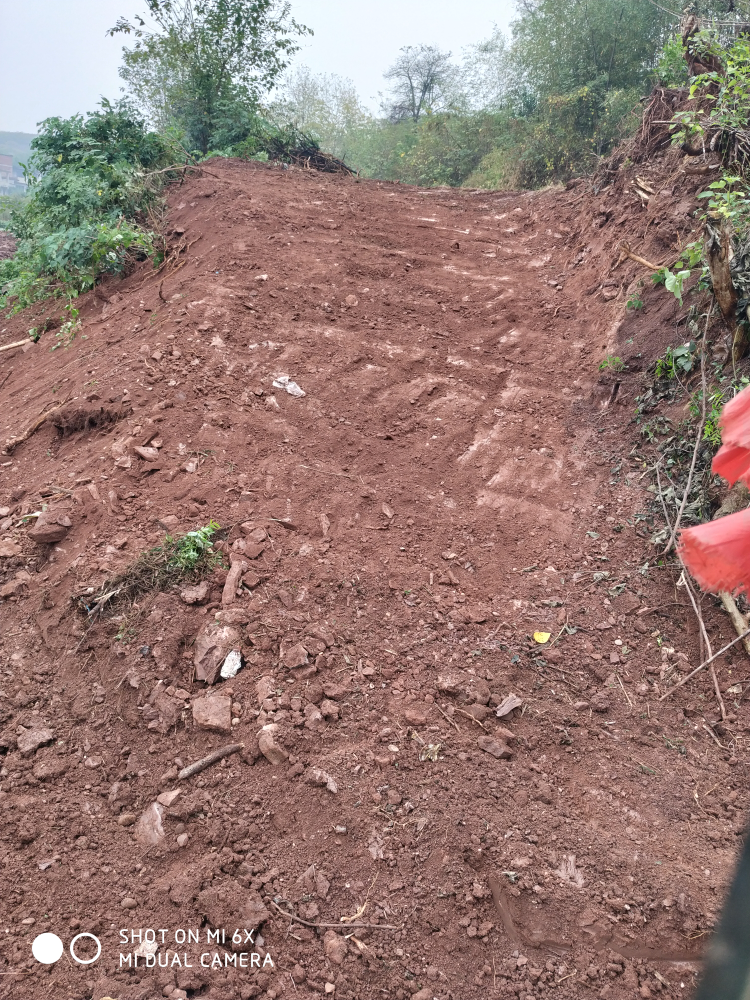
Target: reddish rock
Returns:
[[213, 711], [253, 534], [198, 594], [50, 527], [417, 715], [48, 768], [294, 656], [30, 740], [264, 688], [335, 947], [17, 586], [601, 701], [494, 747], [468, 688], [271, 750], [8, 548], [229, 594], [212, 644], [148, 829]]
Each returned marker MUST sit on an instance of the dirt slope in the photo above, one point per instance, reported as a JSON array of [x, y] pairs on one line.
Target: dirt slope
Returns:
[[452, 481]]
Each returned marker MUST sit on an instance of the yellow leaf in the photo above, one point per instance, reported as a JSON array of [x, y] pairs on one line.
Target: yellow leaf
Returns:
[[542, 637]]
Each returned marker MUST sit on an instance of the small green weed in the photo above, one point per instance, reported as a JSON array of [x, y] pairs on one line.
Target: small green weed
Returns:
[[612, 363], [635, 302], [175, 560], [677, 362], [184, 554]]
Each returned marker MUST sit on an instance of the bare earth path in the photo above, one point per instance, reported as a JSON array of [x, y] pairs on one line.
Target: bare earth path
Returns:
[[450, 483]]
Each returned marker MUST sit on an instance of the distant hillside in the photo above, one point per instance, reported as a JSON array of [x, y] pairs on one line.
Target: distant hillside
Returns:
[[17, 145]]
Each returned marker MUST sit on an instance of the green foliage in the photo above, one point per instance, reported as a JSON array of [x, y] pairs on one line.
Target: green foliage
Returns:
[[325, 106], [674, 282], [185, 553], [564, 45], [671, 69], [635, 302], [177, 559], [677, 362], [88, 189], [207, 62], [728, 198], [725, 388], [612, 363]]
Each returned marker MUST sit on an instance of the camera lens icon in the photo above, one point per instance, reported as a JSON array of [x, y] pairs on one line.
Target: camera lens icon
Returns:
[[48, 948]]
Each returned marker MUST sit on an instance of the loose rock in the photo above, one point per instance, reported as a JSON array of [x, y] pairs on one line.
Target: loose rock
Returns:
[[315, 776], [212, 645], [335, 947], [196, 595], [213, 711], [232, 665], [271, 750], [30, 740], [149, 830], [50, 528], [497, 749], [507, 706], [294, 656]]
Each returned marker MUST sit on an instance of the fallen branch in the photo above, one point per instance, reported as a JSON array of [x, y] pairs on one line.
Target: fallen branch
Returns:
[[17, 343], [705, 663], [625, 251], [12, 443], [447, 717], [738, 619], [470, 716], [308, 923], [183, 167], [212, 758], [698, 438]]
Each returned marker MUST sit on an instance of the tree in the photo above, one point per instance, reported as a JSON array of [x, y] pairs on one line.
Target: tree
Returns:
[[486, 72], [325, 104], [421, 83], [207, 61], [562, 45]]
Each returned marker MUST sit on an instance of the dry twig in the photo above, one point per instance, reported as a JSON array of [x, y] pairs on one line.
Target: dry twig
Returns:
[[308, 923], [705, 663], [12, 443], [470, 716], [212, 758], [17, 343], [698, 437]]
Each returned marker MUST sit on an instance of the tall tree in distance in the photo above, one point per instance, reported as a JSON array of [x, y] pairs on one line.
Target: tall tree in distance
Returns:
[[325, 104], [421, 81], [206, 61]]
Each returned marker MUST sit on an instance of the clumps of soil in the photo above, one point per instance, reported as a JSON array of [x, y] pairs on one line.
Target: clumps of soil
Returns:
[[72, 419], [7, 245]]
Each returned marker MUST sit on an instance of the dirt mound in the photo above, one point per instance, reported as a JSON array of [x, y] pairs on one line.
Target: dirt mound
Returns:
[[7, 245], [389, 400]]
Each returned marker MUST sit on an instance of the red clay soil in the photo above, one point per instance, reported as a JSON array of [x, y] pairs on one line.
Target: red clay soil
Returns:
[[455, 479]]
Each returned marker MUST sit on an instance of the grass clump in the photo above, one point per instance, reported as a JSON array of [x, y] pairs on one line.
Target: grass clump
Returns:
[[175, 561]]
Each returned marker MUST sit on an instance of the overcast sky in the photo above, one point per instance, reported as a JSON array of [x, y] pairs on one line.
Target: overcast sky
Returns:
[[57, 61]]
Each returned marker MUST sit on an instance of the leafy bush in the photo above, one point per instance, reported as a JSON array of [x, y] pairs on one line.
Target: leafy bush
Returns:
[[89, 193]]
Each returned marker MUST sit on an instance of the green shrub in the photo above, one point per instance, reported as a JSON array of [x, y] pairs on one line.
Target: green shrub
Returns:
[[89, 193]]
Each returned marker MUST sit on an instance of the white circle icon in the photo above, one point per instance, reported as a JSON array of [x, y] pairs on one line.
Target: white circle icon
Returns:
[[47, 948], [86, 961]]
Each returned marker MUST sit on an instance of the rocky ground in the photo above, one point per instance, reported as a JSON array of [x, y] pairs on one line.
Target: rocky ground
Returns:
[[389, 399]]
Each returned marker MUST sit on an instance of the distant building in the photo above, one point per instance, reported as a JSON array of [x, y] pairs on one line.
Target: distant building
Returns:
[[12, 180], [7, 181]]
